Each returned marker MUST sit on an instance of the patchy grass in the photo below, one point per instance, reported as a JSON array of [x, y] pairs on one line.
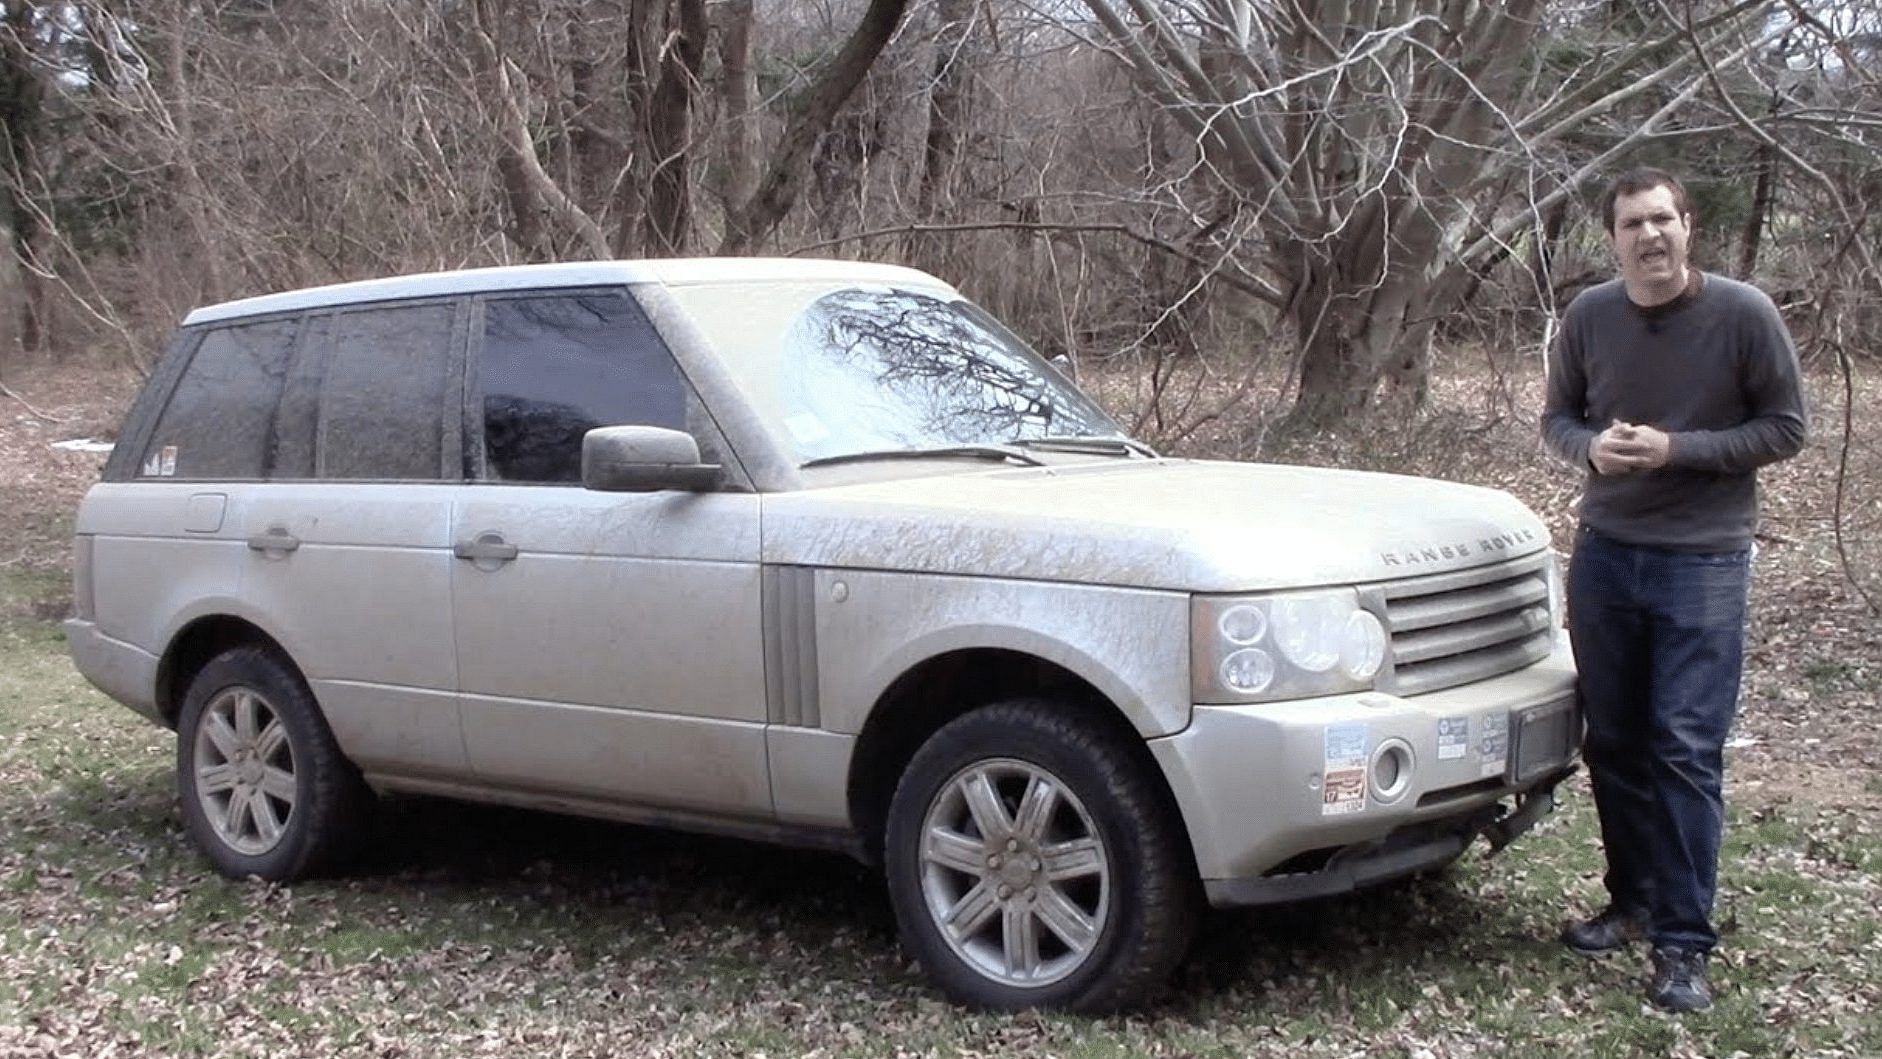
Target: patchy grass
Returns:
[[492, 932]]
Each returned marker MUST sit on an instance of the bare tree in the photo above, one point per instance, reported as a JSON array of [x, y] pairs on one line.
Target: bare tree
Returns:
[[23, 72], [1823, 126], [1367, 148], [749, 223]]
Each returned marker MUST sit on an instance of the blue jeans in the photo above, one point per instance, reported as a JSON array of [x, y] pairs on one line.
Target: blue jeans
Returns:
[[1659, 641]]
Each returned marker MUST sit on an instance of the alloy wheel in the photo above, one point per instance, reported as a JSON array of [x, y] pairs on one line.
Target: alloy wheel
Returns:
[[1015, 873]]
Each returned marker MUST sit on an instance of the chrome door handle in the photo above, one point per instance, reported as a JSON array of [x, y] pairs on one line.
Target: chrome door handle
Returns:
[[277, 539], [485, 548]]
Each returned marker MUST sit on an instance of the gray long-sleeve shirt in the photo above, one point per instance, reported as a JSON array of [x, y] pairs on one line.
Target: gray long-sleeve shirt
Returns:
[[1715, 370]]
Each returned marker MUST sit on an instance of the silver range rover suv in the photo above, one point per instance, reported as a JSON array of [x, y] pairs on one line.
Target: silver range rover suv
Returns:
[[813, 552]]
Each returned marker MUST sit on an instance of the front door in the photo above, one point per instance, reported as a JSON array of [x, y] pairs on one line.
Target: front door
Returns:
[[609, 644]]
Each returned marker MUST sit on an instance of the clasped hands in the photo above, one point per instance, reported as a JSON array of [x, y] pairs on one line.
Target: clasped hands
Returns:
[[1624, 448]]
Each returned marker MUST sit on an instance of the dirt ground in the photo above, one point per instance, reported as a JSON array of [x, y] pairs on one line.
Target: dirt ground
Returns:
[[1808, 729]]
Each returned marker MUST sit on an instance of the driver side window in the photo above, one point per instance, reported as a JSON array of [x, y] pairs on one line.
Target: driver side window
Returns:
[[551, 367]]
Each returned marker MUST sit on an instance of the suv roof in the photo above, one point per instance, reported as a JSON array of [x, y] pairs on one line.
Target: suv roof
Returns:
[[569, 274]]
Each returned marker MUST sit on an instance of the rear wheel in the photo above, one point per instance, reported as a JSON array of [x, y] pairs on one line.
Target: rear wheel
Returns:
[[1033, 863], [264, 788]]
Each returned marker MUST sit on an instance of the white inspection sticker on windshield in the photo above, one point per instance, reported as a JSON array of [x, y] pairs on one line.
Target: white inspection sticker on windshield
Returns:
[[1343, 780], [806, 428]]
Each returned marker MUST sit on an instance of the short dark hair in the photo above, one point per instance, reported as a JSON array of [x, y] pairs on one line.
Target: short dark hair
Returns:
[[1635, 181]]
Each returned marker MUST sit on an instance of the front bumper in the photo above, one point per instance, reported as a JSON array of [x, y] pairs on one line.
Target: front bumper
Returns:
[[1302, 799]]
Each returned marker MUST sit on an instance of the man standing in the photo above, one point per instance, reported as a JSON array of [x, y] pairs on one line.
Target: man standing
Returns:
[[1670, 387]]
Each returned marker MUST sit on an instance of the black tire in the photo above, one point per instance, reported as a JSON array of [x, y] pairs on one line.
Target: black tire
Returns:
[[1136, 912], [250, 730]]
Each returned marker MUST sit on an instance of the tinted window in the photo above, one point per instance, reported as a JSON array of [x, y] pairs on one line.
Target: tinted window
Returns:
[[383, 397], [217, 424], [554, 367]]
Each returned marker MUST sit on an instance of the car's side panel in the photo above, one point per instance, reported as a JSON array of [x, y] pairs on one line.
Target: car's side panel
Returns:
[[611, 753], [808, 766], [363, 606], [619, 653], [150, 573], [873, 626]]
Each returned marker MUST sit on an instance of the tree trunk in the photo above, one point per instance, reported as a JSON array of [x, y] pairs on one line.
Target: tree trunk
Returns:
[[947, 107], [740, 160], [754, 220], [22, 98], [1333, 384], [186, 180], [539, 207], [669, 132], [1357, 326], [1762, 200], [646, 28], [595, 159], [1542, 260]]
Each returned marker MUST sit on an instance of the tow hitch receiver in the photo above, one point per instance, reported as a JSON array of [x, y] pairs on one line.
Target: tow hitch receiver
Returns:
[[1531, 807]]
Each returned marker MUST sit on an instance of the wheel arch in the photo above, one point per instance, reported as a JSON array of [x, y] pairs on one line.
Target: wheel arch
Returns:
[[941, 688], [196, 644]]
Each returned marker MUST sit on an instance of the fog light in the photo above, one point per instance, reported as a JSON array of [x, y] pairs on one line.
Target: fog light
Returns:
[[1391, 770]]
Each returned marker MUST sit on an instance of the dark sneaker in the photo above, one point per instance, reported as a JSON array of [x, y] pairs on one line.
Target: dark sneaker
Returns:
[[1679, 981], [1612, 929]]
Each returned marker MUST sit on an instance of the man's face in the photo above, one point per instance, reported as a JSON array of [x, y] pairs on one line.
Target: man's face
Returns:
[[1650, 238]]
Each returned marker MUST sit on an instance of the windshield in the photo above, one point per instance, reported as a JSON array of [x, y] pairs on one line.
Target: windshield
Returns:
[[838, 370]]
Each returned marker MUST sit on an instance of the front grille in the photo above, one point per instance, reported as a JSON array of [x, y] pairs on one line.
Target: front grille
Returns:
[[1455, 628]]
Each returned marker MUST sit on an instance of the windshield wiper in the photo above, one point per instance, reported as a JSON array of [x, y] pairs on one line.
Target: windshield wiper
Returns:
[[974, 452], [1104, 444]]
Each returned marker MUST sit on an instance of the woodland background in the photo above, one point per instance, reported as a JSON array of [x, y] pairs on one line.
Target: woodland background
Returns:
[[1327, 192], [1238, 219]]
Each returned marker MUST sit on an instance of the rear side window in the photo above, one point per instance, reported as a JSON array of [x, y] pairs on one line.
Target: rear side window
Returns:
[[219, 421], [382, 400], [553, 367]]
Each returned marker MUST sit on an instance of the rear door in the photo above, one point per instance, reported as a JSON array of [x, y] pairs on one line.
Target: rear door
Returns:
[[347, 544], [608, 643]]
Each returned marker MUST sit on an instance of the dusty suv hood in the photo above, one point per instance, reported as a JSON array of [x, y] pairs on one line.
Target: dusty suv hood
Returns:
[[1172, 524]]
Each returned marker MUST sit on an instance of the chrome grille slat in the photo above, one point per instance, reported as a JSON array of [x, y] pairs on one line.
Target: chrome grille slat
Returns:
[[1466, 625], [1463, 637], [1431, 584], [1465, 668], [1423, 612]]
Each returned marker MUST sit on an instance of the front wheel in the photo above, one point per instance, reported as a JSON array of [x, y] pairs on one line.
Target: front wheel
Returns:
[[264, 788], [1033, 862]]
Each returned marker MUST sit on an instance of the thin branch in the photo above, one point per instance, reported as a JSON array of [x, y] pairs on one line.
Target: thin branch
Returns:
[[1853, 225], [1250, 285], [6, 391]]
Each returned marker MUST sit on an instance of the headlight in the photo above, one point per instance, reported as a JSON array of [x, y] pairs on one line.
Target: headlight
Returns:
[[1248, 671], [1285, 646]]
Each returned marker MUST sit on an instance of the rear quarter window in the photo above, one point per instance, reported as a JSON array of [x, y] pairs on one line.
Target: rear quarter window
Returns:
[[219, 421]]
